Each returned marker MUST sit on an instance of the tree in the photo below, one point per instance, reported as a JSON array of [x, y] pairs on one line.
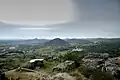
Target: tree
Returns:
[[75, 56]]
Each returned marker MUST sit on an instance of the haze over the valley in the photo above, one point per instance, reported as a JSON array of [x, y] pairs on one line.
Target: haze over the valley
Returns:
[[59, 18]]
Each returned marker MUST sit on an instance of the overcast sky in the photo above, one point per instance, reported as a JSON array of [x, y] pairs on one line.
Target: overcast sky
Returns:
[[59, 18]]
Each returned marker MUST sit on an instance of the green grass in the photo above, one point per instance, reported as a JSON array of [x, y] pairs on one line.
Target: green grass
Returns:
[[48, 66]]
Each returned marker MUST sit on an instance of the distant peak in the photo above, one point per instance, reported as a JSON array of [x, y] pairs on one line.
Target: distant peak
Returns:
[[35, 38], [57, 39], [56, 42]]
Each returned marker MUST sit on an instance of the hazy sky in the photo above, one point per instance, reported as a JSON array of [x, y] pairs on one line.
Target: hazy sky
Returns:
[[59, 18], [36, 11]]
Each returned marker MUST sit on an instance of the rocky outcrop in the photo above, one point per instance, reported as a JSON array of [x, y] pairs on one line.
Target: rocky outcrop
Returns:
[[112, 67], [26, 74], [103, 63], [62, 76], [35, 75], [92, 63], [66, 66], [34, 64]]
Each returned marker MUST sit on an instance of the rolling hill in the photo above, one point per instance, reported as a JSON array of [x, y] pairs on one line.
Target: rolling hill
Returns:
[[56, 42]]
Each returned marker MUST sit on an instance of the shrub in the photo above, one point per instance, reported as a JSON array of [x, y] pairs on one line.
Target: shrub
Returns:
[[73, 56], [95, 74]]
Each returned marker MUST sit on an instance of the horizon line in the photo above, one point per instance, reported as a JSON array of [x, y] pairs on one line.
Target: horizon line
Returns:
[[59, 37]]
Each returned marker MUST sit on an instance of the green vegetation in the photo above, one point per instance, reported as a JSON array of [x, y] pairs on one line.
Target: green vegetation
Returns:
[[113, 48], [95, 74], [73, 56], [59, 53]]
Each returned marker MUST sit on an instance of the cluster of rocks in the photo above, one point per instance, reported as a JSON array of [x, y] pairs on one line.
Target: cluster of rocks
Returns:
[[103, 62], [65, 66], [93, 63], [34, 64], [14, 75], [112, 66], [62, 76]]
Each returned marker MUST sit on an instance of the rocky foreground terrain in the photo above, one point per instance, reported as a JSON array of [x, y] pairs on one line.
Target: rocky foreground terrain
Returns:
[[34, 75], [65, 71]]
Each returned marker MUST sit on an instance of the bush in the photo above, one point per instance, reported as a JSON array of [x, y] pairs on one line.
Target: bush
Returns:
[[87, 72], [73, 56], [95, 74], [101, 76]]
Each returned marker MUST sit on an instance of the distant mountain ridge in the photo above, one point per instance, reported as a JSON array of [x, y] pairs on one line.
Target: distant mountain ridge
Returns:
[[27, 41], [59, 42], [97, 40]]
